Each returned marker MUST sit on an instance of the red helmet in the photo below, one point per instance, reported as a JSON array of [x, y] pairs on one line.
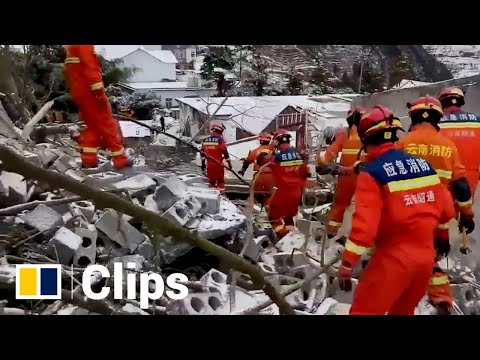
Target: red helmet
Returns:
[[378, 120], [220, 128], [452, 96], [425, 104], [354, 115], [265, 137], [282, 135]]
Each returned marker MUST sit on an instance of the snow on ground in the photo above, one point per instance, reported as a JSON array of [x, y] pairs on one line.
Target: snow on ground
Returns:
[[461, 60], [110, 52]]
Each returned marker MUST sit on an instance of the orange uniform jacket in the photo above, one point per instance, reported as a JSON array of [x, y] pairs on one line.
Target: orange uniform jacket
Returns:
[[215, 147], [463, 129], [82, 70], [253, 154], [426, 142], [399, 203]]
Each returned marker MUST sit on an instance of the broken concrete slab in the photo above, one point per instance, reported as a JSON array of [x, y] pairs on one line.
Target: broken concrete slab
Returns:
[[293, 240], [47, 157], [138, 184], [76, 174], [146, 249], [33, 158], [169, 193], [256, 247], [16, 186], [64, 244], [43, 218], [208, 198], [226, 224], [64, 163], [151, 204], [103, 178], [87, 251], [114, 225]]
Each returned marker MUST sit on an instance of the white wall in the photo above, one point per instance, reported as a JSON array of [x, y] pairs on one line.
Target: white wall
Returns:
[[149, 67]]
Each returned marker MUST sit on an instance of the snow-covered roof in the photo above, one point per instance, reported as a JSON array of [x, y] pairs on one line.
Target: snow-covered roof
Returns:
[[132, 130], [111, 52], [165, 56], [406, 83], [255, 113]]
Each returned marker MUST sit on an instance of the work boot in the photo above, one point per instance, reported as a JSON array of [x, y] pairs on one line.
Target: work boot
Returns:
[[121, 162]]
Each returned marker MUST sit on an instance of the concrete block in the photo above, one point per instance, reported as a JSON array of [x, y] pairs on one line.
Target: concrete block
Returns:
[[256, 247], [76, 174], [75, 218], [16, 186], [151, 204], [284, 261], [466, 298], [110, 248], [103, 178], [159, 178], [309, 228], [169, 193], [87, 251], [62, 208], [43, 218], [33, 158], [191, 179], [119, 230], [47, 157], [192, 224], [262, 229], [208, 198], [197, 304], [86, 207], [267, 269], [182, 211], [138, 184], [66, 243], [228, 224], [215, 280], [64, 163], [146, 249], [293, 240]]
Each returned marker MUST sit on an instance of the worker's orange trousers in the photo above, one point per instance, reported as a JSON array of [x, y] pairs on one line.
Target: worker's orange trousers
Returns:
[[216, 176], [343, 197], [388, 285], [283, 208], [101, 130], [439, 290]]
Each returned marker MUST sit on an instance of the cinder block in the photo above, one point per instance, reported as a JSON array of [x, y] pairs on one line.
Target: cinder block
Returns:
[[119, 230], [182, 211], [229, 223], [267, 268], [86, 207], [62, 208], [151, 204], [43, 218], [208, 198], [16, 186], [33, 158], [304, 225], [137, 259], [64, 163], [138, 184], [75, 218], [169, 193], [191, 179], [263, 229], [285, 261], [256, 247], [197, 304], [215, 280], [293, 240], [66, 244], [87, 251]]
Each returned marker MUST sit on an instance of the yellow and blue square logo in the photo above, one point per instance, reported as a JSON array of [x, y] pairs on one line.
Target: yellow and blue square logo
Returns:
[[38, 282]]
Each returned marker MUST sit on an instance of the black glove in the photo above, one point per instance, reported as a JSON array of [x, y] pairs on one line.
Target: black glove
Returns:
[[442, 247], [203, 165], [241, 173], [334, 169], [466, 223], [229, 164], [359, 167]]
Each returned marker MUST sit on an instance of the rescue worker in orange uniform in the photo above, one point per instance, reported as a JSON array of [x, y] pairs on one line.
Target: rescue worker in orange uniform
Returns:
[[216, 148], [400, 208], [464, 130], [425, 141], [290, 173], [348, 143], [263, 181], [83, 74], [264, 148]]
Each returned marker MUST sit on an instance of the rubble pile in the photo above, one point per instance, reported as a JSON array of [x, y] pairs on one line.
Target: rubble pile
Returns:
[[41, 225]]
